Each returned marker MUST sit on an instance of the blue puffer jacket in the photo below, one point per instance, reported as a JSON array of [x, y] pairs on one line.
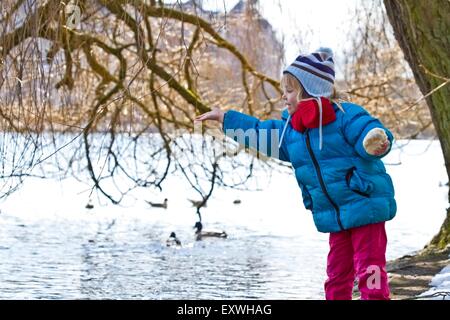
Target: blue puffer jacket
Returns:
[[341, 184]]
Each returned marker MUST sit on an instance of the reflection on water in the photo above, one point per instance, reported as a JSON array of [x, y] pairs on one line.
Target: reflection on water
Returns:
[[64, 259]]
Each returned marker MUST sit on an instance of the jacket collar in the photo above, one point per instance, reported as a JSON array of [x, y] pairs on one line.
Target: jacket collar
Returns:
[[284, 114]]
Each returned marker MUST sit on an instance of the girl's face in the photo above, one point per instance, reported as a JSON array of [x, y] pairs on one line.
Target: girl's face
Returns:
[[290, 98]]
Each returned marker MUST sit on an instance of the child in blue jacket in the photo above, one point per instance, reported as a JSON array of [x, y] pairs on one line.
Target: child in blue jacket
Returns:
[[335, 150]]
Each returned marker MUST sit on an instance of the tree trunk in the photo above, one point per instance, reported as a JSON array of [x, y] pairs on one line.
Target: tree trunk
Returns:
[[422, 30]]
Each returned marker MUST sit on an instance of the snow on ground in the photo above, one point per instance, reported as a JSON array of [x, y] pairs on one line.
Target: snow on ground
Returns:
[[440, 286]]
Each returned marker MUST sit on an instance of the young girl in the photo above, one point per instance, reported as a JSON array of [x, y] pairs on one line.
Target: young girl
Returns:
[[335, 150]]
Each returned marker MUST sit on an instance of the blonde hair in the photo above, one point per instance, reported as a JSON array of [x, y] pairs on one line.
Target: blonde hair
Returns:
[[289, 80]]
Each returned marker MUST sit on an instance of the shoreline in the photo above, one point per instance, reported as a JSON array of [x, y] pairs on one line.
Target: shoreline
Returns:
[[410, 275]]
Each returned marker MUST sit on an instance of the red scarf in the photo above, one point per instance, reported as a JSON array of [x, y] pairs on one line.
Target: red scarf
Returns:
[[307, 114]]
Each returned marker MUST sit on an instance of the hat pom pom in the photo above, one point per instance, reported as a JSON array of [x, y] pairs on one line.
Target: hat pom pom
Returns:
[[326, 50]]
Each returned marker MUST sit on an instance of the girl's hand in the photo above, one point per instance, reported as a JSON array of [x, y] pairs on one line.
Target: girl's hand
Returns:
[[376, 142], [215, 114]]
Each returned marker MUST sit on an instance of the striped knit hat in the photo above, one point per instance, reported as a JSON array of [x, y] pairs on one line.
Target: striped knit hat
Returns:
[[315, 72]]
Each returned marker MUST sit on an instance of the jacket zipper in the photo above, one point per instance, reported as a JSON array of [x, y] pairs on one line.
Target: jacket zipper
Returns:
[[322, 183]]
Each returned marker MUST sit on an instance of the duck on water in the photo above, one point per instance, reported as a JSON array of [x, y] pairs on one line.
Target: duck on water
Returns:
[[201, 234]]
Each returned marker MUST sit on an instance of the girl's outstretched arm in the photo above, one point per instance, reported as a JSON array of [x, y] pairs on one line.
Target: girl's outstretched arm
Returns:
[[262, 136]]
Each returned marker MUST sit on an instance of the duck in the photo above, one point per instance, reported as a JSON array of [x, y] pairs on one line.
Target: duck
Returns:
[[198, 203], [158, 205], [200, 233], [173, 241], [89, 205], [237, 201]]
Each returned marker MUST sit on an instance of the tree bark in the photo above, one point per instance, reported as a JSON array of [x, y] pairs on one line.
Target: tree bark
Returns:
[[422, 31]]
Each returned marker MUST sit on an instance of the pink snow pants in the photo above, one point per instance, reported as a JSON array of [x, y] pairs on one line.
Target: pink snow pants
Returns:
[[358, 252]]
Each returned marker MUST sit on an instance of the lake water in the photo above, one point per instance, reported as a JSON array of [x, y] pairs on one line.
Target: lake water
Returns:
[[52, 247]]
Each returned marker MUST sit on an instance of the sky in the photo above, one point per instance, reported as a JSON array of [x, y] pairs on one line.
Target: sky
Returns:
[[324, 22]]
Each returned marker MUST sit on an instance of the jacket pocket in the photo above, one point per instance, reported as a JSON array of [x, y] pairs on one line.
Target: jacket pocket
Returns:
[[358, 184], [307, 199]]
